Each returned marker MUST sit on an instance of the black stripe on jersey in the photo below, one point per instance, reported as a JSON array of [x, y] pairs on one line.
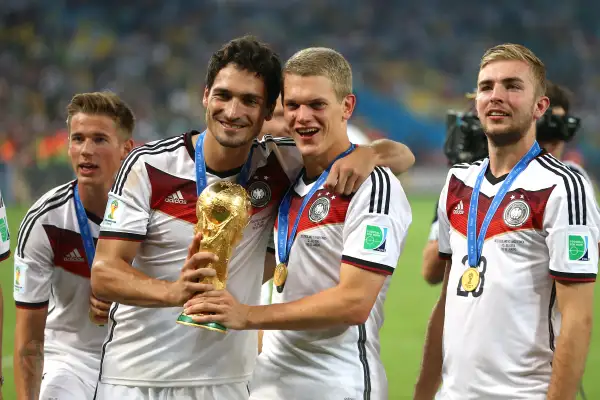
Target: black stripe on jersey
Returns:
[[5, 255], [571, 277], [444, 256], [543, 161], [380, 192], [52, 203], [369, 265], [113, 324], [31, 306], [134, 237], [577, 179], [162, 146], [362, 355], [550, 308]]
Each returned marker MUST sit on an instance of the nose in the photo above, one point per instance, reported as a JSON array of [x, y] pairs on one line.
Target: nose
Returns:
[[497, 94], [303, 114], [88, 147], [232, 109]]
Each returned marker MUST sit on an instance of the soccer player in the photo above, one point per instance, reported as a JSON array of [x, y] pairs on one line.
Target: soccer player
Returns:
[[515, 314], [322, 332], [54, 253], [145, 263]]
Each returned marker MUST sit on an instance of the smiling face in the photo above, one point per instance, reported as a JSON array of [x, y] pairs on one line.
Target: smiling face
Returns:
[[314, 115], [96, 148], [235, 106], [508, 103]]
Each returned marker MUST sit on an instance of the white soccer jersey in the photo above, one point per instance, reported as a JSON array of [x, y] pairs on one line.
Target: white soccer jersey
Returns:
[[4, 232], [434, 231], [499, 339], [51, 269], [366, 230], [153, 201]]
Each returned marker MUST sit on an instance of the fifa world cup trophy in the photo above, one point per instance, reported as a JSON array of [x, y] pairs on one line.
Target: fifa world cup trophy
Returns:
[[223, 211]]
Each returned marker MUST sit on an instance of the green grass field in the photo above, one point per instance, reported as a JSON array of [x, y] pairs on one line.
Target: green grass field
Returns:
[[408, 306]]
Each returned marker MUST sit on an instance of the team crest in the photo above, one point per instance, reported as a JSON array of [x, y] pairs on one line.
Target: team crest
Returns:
[[319, 209], [516, 213], [260, 194]]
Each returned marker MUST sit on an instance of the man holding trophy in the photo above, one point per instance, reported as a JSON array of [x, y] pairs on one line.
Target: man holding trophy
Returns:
[[336, 255], [183, 190]]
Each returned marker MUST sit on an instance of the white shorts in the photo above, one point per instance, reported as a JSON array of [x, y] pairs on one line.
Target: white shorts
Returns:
[[231, 391], [60, 381]]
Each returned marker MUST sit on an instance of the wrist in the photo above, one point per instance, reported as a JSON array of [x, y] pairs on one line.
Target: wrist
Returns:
[[250, 320]]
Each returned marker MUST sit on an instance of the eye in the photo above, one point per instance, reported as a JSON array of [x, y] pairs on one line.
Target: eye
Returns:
[[291, 106], [76, 138], [100, 140], [318, 105]]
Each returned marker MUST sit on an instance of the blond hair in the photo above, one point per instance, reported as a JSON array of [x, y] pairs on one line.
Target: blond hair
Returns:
[[322, 61], [517, 52], [103, 103]]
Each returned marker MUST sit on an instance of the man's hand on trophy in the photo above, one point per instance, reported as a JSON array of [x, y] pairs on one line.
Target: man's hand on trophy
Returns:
[[193, 272], [99, 310], [218, 306], [348, 173]]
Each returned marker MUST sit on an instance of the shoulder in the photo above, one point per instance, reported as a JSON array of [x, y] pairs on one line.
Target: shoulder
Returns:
[[42, 210], [559, 173], [381, 193]]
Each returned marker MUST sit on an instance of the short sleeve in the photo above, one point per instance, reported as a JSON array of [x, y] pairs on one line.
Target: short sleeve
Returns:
[[434, 231], [128, 208], [287, 154], [571, 221], [33, 267], [376, 225], [4, 232], [445, 250]]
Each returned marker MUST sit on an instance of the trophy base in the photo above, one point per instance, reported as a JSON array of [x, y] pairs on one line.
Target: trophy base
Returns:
[[211, 326]]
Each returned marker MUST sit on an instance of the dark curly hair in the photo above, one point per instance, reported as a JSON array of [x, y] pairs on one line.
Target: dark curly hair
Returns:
[[559, 96], [253, 56]]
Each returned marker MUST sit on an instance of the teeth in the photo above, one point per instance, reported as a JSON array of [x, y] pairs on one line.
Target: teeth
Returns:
[[307, 130], [498, 113], [231, 125]]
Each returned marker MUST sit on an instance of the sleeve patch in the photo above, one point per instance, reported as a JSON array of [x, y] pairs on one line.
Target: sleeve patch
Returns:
[[375, 238], [20, 271]]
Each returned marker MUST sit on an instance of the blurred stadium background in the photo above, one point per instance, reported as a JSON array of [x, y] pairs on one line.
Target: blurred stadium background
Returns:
[[412, 60]]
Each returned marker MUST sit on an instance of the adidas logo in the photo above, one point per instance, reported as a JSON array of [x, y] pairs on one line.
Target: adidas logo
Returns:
[[459, 209], [176, 198], [75, 255]]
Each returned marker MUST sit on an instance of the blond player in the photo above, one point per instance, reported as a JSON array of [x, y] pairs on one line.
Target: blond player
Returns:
[[520, 232]]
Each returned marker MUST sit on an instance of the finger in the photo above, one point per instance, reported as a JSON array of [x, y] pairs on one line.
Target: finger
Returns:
[[203, 318], [99, 313], [199, 274], [211, 296], [341, 183], [197, 287], [332, 178], [101, 305], [194, 247], [201, 258], [352, 185], [204, 308]]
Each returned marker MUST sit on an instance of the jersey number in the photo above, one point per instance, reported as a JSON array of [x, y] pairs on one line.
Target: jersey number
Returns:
[[460, 291]]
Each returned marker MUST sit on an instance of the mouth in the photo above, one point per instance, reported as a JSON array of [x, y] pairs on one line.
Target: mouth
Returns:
[[497, 115], [87, 168], [229, 126], [307, 132]]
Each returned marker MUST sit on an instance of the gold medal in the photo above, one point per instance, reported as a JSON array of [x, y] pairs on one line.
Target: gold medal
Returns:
[[470, 279], [280, 275]]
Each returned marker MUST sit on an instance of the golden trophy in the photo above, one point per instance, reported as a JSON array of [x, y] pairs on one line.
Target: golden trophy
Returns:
[[223, 211]]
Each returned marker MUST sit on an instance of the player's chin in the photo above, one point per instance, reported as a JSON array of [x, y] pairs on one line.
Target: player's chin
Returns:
[[237, 138]]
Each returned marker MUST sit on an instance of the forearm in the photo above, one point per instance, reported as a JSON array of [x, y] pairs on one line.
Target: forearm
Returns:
[[433, 266], [331, 307], [117, 281], [394, 155], [29, 364], [569, 357]]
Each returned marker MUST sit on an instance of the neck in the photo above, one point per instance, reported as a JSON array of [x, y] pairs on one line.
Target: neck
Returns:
[[94, 198], [220, 158], [504, 158], [315, 165]]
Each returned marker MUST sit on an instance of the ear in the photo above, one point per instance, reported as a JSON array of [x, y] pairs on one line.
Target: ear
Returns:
[[541, 106], [127, 147], [349, 103], [205, 97]]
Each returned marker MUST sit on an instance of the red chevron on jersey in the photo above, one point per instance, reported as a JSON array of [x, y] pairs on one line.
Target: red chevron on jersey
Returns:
[[172, 195], [69, 253], [519, 210]]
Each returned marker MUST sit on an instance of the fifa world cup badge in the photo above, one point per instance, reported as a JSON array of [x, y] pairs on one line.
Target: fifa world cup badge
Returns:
[[470, 279]]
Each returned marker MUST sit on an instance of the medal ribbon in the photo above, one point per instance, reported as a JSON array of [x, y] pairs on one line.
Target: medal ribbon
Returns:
[[201, 181], [84, 229], [284, 243], [474, 242]]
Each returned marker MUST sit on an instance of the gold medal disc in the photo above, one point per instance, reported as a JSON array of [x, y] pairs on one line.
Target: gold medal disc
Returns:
[[280, 275], [470, 279]]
